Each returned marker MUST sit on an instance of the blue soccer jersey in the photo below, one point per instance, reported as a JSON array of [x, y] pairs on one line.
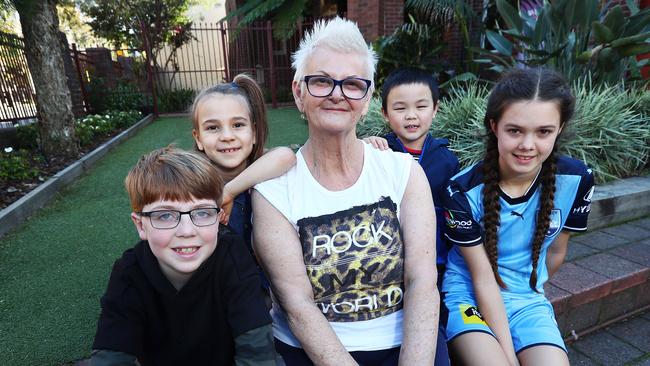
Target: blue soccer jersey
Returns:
[[464, 219]]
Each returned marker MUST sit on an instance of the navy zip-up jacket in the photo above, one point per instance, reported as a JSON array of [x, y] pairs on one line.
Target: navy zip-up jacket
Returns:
[[439, 165]]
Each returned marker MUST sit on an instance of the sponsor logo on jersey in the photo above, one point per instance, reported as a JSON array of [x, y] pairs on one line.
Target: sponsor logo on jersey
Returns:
[[451, 191], [454, 223], [555, 222], [582, 209], [589, 194], [470, 314]]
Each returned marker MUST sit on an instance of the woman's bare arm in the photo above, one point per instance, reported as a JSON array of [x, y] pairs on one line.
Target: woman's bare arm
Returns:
[[421, 298], [278, 248]]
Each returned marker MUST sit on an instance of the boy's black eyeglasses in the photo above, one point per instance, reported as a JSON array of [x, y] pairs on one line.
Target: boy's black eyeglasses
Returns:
[[321, 86], [169, 219]]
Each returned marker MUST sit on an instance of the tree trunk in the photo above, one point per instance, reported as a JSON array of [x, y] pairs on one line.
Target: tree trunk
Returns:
[[40, 26]]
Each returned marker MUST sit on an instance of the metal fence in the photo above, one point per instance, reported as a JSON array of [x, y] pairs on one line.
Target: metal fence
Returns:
[[218, 52], [17, 95]]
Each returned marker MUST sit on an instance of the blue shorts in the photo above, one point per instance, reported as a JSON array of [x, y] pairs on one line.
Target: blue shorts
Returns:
[[530, 317]]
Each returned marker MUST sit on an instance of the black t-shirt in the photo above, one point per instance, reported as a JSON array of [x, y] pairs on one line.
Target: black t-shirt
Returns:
[[143, 314]]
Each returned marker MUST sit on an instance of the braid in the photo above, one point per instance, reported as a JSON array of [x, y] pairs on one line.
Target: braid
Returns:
[[531, 84], [491, 206], [546, 204]]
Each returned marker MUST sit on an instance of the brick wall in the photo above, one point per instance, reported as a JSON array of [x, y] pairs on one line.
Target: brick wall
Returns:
[[376, 18], [393, 15], [455, 52]]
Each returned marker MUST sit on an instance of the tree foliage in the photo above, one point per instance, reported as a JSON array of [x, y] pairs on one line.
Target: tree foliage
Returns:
[[142, 24], [73, 24], [130, 22], [284, 15]]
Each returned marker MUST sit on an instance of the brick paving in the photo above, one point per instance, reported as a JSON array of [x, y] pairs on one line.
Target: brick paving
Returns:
[[624, 343], [605, 277]]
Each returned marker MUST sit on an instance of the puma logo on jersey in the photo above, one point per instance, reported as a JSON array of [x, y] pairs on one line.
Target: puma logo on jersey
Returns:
[[515, 213]]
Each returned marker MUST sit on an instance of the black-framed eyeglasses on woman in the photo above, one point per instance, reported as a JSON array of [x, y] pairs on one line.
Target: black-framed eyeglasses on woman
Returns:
[[322, 86], [169, 219]]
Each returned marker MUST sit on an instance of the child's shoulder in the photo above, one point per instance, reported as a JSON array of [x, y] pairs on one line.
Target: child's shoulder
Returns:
[[232, 254], [128, 275], [469, 178], [570, 166], [128, 262]]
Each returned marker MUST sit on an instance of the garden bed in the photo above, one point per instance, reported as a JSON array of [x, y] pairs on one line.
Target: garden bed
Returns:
[[39, 170]]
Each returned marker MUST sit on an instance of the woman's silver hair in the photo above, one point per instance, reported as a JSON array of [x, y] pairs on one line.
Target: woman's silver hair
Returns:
[[338, 34]]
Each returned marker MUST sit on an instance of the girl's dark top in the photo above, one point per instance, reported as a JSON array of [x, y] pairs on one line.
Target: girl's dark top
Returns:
[[143, 314], [240, 218]]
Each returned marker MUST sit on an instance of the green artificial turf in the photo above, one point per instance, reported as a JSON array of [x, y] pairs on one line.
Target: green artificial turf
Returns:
[[54, 268], [286, 127]]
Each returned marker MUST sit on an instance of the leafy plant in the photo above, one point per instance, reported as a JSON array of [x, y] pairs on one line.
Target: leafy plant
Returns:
[[373, 124], [96, 125], [27, 136], [444, 14], [577, 37], [123, 119], [460, 120], [124, 97], [607, 133], [15, 165], [178, 100], [605, 116], [411, 45]]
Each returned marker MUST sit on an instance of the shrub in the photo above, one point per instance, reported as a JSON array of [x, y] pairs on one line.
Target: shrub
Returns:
[[15, 165], [283, 94], [374, 123], [124, 97], [607, 133], [123, 119], [27, 136], [178, 100], [96, 125], [610, 130], [582, 39], [460, 120]]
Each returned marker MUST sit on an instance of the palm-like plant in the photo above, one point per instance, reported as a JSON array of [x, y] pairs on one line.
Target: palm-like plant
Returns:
[[444, 14], [284, 14], [578, 37]]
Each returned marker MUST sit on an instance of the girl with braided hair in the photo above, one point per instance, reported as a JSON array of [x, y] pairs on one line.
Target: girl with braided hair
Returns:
[[510, 217]]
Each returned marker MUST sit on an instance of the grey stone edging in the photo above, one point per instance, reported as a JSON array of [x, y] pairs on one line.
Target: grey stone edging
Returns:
[[618, 201], [19, 211]]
